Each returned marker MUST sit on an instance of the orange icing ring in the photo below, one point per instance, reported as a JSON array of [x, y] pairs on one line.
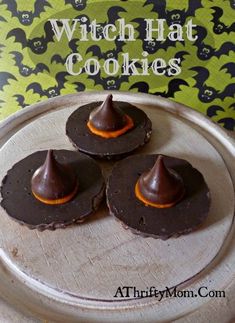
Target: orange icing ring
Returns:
[[112, 134], [57, 201], [149, 203]]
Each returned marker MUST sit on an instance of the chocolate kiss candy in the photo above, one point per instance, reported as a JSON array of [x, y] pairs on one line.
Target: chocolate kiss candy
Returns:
[[54, 183], [161, 186], [107, 117]]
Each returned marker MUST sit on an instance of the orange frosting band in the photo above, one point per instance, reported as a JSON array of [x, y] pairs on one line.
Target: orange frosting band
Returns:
[[57, 201], [112, 134], [149, 203]]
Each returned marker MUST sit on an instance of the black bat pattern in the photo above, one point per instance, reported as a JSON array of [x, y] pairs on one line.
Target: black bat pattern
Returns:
[[38, 45], [232, 4], [1, 49], [25, 70], [84, 20], [77, 4], [232, 106], [113, 15], [1, 102], [219, 27], [112, 53], [58, 59], [180, 55], [208, 93], [152, 46], [109, 83], [4, 79], [204, 51], [174, 16], [2, 19], [230, 68], [26, 17], [212, 110], [51, 91], [228, 123], [79, 86], [173, 87], [21, 100]]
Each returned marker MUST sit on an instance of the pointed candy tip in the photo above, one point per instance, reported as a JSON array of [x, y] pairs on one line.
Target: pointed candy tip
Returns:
[[108, 116], [161, 185], [53, 182]]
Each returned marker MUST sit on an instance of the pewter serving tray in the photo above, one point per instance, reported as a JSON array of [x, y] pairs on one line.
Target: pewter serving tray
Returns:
[[73, 274]]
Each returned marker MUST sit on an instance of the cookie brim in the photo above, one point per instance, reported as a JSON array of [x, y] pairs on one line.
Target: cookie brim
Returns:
[[20, 204], [186, 216], [112, 148]]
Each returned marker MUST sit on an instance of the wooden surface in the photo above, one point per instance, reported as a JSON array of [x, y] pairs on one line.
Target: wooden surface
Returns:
[[74, 273]]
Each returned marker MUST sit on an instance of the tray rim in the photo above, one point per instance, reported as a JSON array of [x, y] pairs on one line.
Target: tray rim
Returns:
[[179, 110], [6, 124]]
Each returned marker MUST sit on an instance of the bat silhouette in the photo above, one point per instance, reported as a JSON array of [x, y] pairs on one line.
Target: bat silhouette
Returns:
[[180, 56], [21, 100], [232, 4], [213, 109], [77, 4], [173, 87], [4, 79], [79, 86], [113, 15], [228, 123], [232, 106], [175, 16], [25, 70], [151, 46], [1, 102], [204, 51], [2, 19], [38, 45], [84, 20], [51, 91], [219, 27], [230, 68], [112, 53], [208, 93], [109, 83], [58, 59], [26, 17], [1, 49]]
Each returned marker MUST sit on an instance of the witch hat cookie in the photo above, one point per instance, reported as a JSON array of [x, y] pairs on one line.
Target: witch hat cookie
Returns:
[[109, 129], [53, 188], [157, 196]]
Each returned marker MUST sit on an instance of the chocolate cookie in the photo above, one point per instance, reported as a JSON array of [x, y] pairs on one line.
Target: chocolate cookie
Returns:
[[109, 148], [158, 222], [22, 205]]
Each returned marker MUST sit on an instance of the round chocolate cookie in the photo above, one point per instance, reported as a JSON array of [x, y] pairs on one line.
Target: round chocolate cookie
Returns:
[[162, 223], [112, 148], [21, 205]]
